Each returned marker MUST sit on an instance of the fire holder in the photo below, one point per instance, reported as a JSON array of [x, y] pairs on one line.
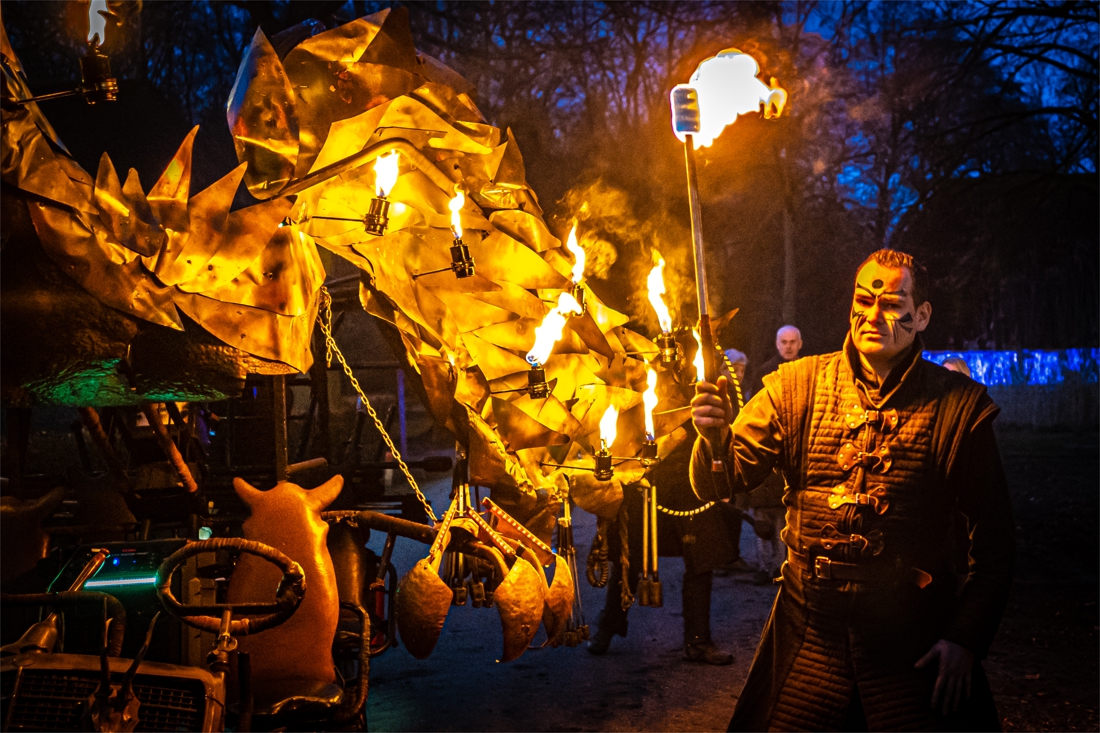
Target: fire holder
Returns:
[[378, 216], [669, 349], [462, 262]]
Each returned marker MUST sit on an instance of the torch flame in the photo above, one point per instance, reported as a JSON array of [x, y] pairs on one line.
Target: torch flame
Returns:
[[547, 334], [607, 427], [728, 87], [385, 174], [455, 205], [649, 402], [97, 24], [578, 254], [656, 284], [700, 373]]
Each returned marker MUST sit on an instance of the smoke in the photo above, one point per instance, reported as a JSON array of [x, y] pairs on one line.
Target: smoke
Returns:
[[618, 235]]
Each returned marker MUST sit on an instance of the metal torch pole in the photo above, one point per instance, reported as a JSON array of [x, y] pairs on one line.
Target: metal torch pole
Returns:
[[706, 337]]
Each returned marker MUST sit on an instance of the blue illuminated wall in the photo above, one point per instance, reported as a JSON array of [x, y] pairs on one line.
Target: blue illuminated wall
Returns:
[[1026, 367], [1047, 390]]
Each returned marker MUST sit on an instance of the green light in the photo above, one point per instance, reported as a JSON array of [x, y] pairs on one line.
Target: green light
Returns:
[[115, 582]]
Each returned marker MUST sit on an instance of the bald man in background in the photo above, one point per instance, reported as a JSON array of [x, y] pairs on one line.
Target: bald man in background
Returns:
[[788, 342]]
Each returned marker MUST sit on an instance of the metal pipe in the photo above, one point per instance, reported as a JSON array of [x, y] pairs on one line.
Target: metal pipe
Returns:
[[706, 336], [278, 404], [169, 447]]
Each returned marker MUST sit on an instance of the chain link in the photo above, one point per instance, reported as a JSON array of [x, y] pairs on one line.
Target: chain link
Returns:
[[736, 381], [687, 513], [325, 322]]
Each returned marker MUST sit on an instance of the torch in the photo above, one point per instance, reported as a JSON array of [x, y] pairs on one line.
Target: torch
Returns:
[[648, 454], [604, 470], [649, 585], [97, 82], [656, 286], [722, 87], [462, 263], [546, 335], [385, 178]]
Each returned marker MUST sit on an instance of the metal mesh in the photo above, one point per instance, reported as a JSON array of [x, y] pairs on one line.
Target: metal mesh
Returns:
[[55, 700]]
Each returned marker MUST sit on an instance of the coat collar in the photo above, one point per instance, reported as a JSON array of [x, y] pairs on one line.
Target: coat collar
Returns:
[[898, 376]]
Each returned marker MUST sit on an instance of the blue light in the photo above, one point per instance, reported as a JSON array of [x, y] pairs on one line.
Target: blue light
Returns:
[[115, 561], [1027, 366]]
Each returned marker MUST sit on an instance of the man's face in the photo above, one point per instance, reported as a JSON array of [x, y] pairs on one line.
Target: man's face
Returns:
[[788, 343], [884, 320]]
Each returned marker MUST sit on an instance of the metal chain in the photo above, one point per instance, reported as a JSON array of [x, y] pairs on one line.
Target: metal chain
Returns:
[[736, 381], [688, 513], [325, 322]]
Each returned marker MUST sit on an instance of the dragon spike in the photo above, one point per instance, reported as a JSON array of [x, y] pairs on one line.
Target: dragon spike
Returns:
[[125, 692], [168, 196], [122, 215], [202, 230]]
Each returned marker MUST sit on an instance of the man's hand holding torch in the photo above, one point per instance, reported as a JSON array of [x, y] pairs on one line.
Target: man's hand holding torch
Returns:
[[712, 414]]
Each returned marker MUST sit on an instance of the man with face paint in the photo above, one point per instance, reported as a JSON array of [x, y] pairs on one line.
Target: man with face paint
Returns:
[[880, 448]]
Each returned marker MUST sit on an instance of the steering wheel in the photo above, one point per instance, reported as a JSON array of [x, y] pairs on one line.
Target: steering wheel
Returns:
[[291, 591]]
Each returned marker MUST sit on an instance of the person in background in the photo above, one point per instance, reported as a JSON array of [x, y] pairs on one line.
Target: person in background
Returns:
[[788, 344], [957, 364]]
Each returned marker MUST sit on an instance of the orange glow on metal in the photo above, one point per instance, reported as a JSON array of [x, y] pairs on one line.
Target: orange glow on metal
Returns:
[[385, 173], [656, 285], [548, 333], [649, 401]]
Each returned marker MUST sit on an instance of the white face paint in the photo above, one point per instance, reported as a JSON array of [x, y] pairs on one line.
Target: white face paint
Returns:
[[884, 321]]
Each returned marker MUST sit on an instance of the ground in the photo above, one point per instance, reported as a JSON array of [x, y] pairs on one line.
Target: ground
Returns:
[[1043, 665]]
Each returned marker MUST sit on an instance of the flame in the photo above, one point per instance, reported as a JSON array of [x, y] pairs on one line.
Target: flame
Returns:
[[578, 254], [700, 373], [455, 205], [649, 401], [547, 334], [607, 427], [728, 87], [385, 173], [656, 284], [97, 24]]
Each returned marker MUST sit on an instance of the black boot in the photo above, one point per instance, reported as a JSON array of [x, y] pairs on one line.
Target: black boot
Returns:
[[703, 651], [605, 630], [698, 646], [613, 619]]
